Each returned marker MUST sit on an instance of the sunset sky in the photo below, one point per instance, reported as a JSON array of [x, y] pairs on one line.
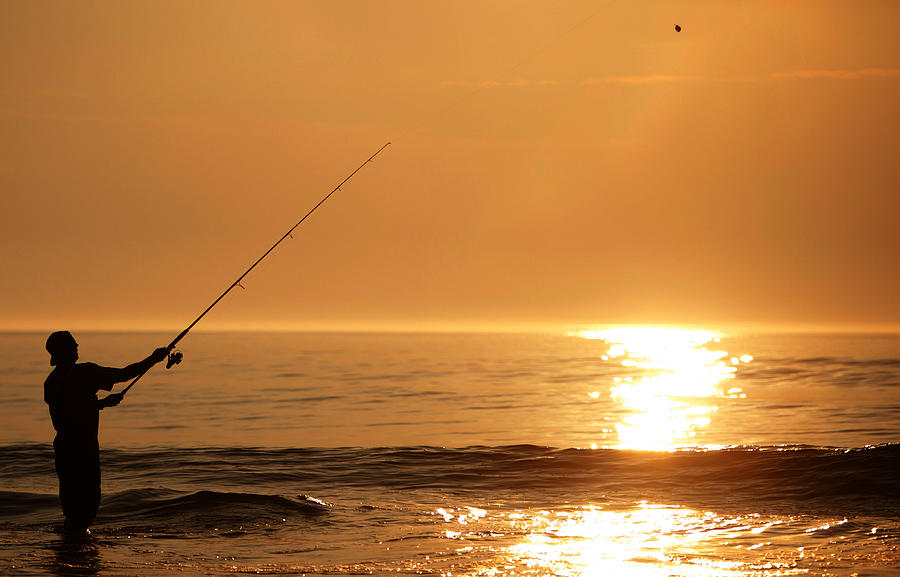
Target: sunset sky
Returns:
[[552, 163]]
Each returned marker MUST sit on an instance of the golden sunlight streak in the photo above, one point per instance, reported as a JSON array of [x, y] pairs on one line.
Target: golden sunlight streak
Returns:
[[669, 401], [644, 539]]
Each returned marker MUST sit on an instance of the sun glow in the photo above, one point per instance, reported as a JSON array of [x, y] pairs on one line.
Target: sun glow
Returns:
[[669, 399]]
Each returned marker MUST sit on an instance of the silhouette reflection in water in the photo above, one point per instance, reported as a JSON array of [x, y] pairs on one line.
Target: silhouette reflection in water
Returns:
[[75, 555]]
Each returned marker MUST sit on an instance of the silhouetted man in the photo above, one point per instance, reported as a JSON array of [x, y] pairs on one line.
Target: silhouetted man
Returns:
[[71, 391]]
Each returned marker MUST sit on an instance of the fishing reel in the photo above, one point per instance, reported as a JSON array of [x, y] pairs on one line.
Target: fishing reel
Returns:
[[175, 357]]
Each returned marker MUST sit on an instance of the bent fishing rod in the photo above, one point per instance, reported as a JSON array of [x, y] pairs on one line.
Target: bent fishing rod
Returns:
[[175, 358]]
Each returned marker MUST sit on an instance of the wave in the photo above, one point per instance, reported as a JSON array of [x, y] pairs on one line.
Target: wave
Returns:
[[164, 511], [19, 503], [800, 476], [202, 510]]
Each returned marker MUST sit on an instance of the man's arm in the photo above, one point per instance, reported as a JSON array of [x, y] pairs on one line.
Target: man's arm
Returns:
[[103, 378], [128, 373], [141, 367]]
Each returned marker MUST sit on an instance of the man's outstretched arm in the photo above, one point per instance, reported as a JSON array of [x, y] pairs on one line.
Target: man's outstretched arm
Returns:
[[126, 374], [141, 367], [106, 377]]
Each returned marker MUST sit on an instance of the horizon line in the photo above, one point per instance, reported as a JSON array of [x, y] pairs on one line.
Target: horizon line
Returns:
[[474, 328]]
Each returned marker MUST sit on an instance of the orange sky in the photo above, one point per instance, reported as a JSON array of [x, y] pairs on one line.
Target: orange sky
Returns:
[[553, 163]]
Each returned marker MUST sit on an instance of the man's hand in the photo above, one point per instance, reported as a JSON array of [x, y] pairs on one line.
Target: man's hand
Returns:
[[111, 400], [159, 354]]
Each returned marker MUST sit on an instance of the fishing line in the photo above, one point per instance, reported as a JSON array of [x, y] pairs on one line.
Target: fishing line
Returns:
[[175, 356]]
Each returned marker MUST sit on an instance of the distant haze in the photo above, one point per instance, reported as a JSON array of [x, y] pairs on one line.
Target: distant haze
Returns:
[[552, 164]]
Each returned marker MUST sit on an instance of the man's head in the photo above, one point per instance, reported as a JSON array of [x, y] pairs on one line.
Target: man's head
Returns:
[[62, 348]]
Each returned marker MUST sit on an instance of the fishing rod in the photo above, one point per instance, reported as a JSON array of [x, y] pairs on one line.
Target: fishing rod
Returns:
[[175, 357]]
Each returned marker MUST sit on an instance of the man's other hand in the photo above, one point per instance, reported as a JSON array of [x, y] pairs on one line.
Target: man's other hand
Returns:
[[111, 400]]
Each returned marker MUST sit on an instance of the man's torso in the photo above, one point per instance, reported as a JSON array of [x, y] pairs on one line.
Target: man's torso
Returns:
[[71, 393]]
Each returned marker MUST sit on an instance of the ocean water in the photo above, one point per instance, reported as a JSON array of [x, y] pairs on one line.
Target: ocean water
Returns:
[[630, 451]]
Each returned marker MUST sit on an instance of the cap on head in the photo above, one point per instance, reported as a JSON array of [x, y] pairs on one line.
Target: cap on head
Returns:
[[61, 345]]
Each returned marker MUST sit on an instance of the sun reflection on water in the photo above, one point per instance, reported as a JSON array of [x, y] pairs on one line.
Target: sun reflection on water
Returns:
[[647, 540], [643, 539], [670, 398]]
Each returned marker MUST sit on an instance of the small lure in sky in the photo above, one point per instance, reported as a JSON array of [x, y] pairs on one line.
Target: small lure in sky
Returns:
[[677, 28]]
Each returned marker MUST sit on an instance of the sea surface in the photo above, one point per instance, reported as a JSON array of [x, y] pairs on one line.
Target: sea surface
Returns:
[[625, 451]]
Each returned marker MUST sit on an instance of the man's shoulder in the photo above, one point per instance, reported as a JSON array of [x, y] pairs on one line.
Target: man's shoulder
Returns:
[[97, 376], [86, 373], [88, 368]]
